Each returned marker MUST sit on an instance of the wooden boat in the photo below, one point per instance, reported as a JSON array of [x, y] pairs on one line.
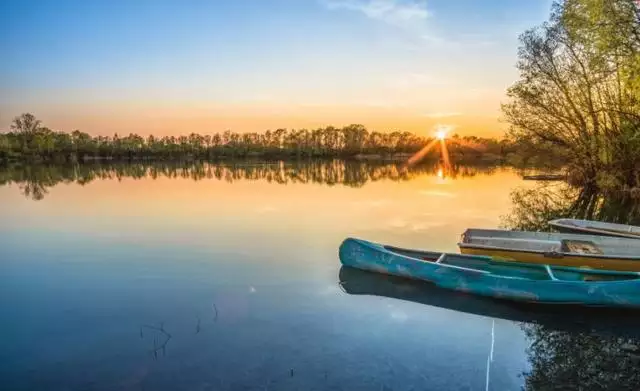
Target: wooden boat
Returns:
[[603, 320], [572, 250], [484, 276], [590, 227], [544, 177]]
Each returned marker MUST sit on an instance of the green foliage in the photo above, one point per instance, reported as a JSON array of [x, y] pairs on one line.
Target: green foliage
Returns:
[[533, 208], [579, 88], [30, 141]]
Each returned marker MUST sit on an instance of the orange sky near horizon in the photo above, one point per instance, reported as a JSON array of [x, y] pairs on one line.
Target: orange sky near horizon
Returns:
[[168, 68], [167, 121]]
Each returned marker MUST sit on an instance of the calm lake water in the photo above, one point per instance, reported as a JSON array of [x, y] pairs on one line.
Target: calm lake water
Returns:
[[226, 277]]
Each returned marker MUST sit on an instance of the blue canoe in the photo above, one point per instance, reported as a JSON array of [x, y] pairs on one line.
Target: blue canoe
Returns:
[[506, 280]]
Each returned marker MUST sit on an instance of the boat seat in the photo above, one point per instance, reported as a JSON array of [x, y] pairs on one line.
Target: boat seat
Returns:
[[519, 243]]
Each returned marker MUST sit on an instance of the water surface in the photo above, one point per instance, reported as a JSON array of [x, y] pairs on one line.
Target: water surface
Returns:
[[226, 277]]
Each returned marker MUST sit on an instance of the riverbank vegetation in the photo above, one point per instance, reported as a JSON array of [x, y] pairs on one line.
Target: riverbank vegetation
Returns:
[[534, 207], [579, 92], [30, 141]]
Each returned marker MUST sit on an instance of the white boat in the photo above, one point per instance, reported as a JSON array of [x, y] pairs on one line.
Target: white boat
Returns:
[[590, 227], [572, 250]]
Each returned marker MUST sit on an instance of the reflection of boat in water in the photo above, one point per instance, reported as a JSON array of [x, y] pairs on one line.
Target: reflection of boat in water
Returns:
[[484, 276], [590, 227], [553, 317], [572, 250]]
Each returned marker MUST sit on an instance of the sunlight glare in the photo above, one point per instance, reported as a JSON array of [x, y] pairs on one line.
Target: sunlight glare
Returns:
[[442, 131]]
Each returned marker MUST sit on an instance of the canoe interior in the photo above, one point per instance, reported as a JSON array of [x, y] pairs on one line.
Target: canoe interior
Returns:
[[516, 270], [597, 226], [544, 242]]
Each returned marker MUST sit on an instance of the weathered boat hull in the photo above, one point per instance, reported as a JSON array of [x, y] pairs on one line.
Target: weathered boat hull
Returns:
[[529, 287], [597, 252], [588, 227]]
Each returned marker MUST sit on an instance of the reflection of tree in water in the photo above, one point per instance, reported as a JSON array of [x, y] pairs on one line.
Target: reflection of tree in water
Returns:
[[563, 360], [576, 360], [35, 180], [533, 208]]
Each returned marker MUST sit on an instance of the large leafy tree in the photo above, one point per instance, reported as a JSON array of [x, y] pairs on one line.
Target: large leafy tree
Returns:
[[579, 88]]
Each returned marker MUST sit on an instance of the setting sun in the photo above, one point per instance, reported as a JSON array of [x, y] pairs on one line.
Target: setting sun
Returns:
[[441, 134]]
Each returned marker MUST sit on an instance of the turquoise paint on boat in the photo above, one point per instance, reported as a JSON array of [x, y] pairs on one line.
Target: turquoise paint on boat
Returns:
[[507, 280]]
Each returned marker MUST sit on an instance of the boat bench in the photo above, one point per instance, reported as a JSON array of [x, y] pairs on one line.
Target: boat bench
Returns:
[[521, 244], [564, 246]]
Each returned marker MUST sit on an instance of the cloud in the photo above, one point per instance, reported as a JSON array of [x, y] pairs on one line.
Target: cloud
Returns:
[[397, 12], [398, 223], [418, 80], [266, 209], [442, 114], [410, 15], [424, 226]]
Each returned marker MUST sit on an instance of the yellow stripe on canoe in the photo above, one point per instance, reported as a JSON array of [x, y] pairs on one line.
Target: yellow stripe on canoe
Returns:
[[566, 260]]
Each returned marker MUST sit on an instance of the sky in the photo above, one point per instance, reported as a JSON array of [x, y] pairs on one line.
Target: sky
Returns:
[[175, 67]]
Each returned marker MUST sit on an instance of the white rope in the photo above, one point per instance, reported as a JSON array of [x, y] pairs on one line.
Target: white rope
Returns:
[[490, 357]]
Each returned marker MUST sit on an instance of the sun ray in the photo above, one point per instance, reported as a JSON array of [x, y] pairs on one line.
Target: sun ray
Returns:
[[421, 153], [445, 154]]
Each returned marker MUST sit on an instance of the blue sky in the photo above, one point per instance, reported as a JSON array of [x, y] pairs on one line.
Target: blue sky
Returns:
[[113, 64]]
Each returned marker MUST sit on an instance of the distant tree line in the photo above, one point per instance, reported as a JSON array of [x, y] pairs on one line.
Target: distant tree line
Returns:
[[28, 140]]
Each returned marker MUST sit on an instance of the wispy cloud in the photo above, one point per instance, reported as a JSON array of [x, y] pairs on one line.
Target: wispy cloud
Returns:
[[397, 12], [266, 209], [442, 114], [410, 15], [417, 80]]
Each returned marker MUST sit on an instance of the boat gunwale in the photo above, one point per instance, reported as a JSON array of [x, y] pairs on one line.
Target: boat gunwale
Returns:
[[633, 276], [557, 223], [388, 250]]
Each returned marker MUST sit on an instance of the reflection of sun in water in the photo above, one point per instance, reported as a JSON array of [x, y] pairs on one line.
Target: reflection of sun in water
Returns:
[[440, 173]]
